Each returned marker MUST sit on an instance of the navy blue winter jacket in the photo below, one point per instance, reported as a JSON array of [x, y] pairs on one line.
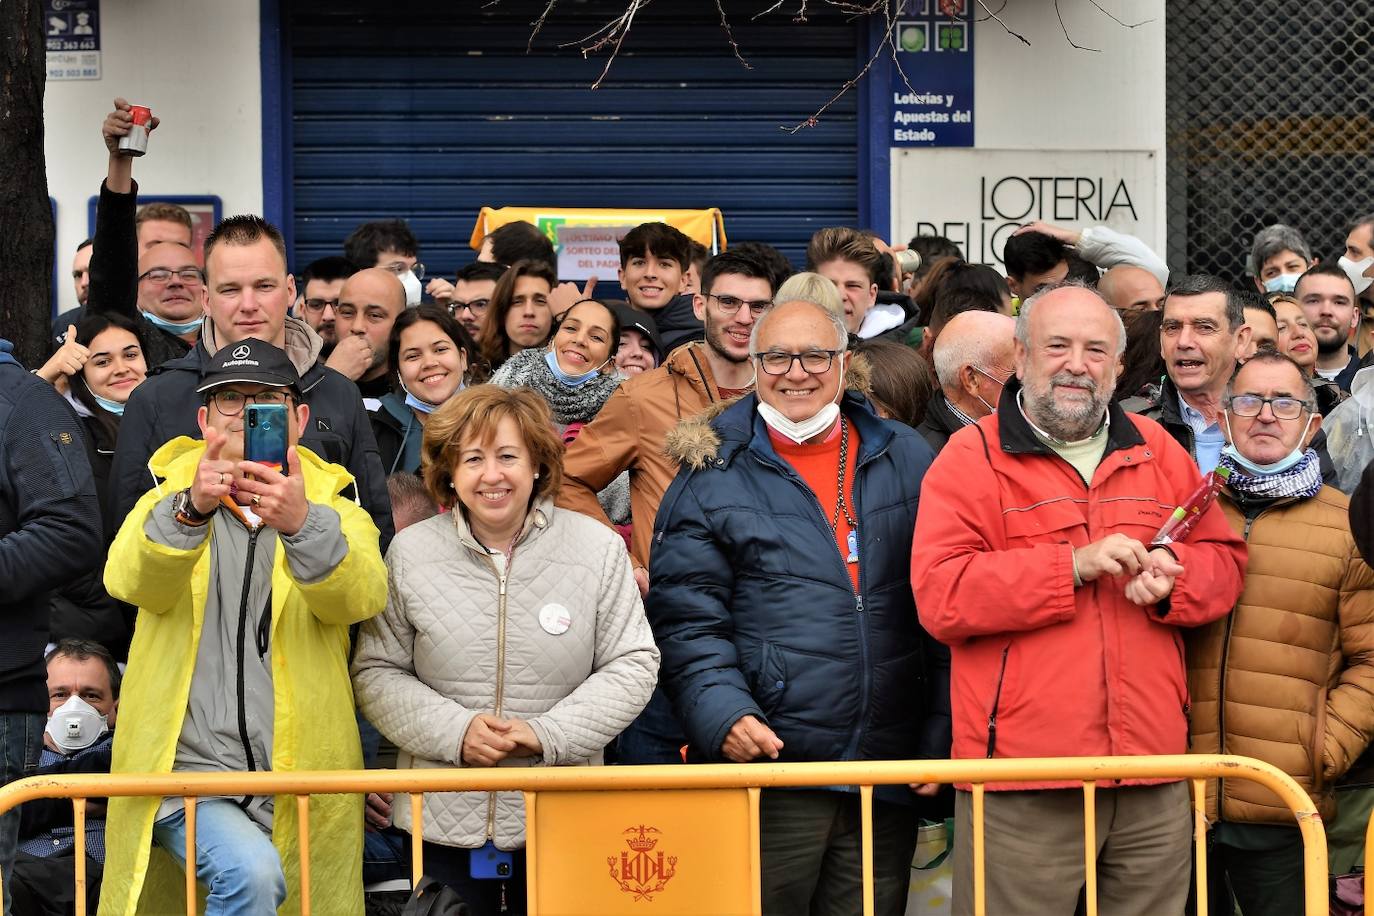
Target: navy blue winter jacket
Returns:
[[754, 611], [49, 524]]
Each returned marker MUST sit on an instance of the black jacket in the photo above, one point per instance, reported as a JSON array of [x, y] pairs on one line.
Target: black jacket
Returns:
[[114, 275], [678, 324], [940, 422], [49, 524], [164, 407]]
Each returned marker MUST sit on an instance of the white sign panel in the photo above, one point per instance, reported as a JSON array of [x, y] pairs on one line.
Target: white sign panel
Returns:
[[979, 197], [71, 30], [589, 251]]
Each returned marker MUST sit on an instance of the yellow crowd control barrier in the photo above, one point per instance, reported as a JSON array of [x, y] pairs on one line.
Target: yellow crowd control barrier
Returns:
[[658, 840]]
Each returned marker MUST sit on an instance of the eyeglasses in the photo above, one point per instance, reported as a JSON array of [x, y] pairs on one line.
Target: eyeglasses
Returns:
[[731, 304], [191, 276], [317, 305], [1250, 405], [399, 269], [813, 362], [231, 403], [478, 307]]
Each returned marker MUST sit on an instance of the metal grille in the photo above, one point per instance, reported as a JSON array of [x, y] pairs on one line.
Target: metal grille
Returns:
[[1268, 109]]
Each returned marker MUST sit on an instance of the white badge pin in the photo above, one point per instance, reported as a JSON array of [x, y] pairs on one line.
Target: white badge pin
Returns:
[[555, 619]]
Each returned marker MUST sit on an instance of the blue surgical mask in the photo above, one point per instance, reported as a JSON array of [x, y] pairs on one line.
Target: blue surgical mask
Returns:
[[572, 381], [114, 407], [423, 406], [1283, 283], [178, 328], [1261, 470]]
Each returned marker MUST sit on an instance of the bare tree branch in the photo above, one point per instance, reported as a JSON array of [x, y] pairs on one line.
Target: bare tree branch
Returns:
[[730, 36], [1068, 37], [1005, 27], [538, 24]]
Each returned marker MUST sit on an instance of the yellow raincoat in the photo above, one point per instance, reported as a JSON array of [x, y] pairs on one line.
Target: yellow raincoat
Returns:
[[314, 727]]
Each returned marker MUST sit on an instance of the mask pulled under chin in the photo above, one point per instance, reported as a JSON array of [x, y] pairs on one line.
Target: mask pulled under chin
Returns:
[[572, 381], [76, 725], [175, 327], [114, 407], [800, 430], [412, 286], [1286, 463]]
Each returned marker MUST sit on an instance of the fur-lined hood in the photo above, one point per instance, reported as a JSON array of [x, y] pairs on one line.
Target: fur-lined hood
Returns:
[[696, 441]]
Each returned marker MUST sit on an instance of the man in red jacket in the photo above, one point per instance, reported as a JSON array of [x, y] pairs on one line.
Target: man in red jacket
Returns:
[[1031, 563]]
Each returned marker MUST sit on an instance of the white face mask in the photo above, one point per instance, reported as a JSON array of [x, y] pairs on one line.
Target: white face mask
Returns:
[[1355, 271], [76, 725], [1283, 283], [801, 430], [412, 285]]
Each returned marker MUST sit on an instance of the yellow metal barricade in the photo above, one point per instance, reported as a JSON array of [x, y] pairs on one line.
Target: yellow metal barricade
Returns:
[[682, 839]]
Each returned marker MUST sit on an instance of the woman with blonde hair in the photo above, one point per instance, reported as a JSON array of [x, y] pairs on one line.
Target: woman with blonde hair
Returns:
[[514, 634]]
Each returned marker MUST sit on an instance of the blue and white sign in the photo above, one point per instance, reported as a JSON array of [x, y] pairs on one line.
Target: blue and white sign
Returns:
[[71, 29], [933, 106]]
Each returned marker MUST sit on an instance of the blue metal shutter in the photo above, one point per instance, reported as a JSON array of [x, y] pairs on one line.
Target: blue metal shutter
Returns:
[[429, 111]]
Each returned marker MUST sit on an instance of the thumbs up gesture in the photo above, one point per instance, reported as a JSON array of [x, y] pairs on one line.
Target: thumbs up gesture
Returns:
[[214, 476], [68, 360]]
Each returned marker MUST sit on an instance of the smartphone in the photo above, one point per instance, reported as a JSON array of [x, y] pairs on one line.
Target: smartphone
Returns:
[[264, 435], [489, 862]]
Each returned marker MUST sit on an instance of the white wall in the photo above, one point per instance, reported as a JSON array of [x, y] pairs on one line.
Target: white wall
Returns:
[[195, 63], [1049, 96]]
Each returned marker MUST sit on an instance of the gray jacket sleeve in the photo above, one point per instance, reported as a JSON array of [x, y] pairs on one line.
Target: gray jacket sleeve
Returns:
[[624, 671], [1106, 248], [415, 716], [318, 548]]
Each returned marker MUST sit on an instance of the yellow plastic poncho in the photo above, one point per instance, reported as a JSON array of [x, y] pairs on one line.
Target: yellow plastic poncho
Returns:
[[314, 726]]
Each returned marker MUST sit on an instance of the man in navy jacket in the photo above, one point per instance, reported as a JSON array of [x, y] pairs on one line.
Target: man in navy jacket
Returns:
[[780, 598]]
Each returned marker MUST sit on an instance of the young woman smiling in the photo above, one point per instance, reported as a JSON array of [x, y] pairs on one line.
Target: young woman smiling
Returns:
[[431, 354]]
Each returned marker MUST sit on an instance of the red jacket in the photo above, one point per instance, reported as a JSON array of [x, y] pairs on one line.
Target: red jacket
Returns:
[[1040, 668]]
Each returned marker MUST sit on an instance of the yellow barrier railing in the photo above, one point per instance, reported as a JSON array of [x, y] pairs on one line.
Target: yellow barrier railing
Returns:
[[750, 777]]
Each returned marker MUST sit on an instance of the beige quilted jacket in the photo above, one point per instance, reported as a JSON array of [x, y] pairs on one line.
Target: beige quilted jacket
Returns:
[[457, 639]]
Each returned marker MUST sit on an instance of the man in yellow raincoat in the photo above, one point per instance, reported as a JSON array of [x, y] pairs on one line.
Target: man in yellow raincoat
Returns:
[[246, 579]]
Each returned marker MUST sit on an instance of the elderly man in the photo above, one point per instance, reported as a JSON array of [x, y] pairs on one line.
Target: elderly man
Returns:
[[246, 578], [1302, 703], [1202, 334], [780, 604], [974, 357], [1062, 622]]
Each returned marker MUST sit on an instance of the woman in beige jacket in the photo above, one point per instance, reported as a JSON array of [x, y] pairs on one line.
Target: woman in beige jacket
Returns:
[[513, 635]]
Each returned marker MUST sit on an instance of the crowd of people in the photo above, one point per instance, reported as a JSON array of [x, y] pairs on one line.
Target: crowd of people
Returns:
[[856, 512]]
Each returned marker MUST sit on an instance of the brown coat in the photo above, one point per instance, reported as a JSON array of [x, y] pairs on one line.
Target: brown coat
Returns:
[[628, 434], [1288, 676]]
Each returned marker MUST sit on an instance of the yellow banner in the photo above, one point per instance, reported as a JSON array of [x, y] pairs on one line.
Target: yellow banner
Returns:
[[704, 226]]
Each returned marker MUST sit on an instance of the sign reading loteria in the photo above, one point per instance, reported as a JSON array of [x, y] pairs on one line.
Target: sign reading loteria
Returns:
[[977, 198]]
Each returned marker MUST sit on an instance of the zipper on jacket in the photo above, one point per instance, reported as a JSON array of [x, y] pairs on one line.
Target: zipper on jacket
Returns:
[[861, 620], [239, 657], [1221, 672], [502, 576], [996, 702]]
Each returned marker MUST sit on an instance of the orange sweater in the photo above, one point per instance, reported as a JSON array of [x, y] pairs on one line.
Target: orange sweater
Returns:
[[819, 466]]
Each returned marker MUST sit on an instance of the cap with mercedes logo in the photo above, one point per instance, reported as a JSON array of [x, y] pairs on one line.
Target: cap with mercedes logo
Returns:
[[250, 362]]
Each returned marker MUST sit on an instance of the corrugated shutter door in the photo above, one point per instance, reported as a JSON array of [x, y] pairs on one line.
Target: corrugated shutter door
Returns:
[[429, 111]]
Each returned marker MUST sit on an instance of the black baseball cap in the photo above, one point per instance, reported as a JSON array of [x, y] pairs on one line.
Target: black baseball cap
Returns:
[[251, 362], [632, 318]]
